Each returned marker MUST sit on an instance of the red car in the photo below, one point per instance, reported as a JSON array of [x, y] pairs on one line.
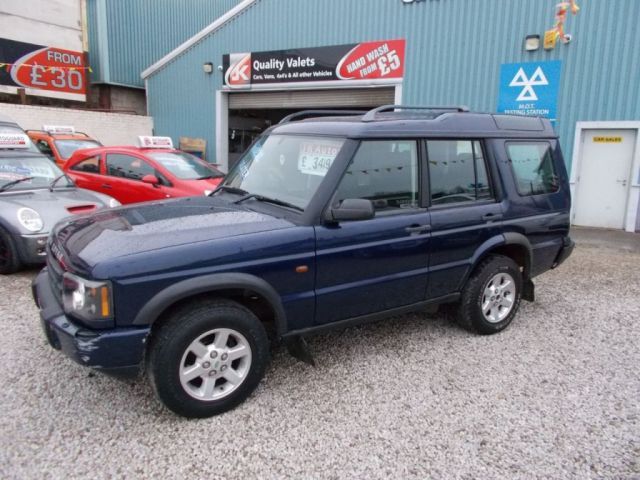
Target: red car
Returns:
[[137, 174]]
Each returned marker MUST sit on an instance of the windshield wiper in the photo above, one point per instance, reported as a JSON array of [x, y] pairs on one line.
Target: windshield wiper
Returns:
[[15, 182], [275, 201], [230, 189], [56, 180]]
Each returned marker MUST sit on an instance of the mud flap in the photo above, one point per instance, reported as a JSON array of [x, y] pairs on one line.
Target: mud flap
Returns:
[[528, 290], [299, 348]]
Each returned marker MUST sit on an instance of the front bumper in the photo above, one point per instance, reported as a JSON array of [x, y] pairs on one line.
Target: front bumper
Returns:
[[117, 351], [565, 251], [32, 248]]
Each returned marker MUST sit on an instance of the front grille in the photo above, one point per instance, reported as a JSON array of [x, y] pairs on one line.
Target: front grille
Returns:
[[55, 274]]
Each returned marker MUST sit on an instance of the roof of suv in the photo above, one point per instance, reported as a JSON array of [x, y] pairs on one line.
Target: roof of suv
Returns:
[[418, 121]]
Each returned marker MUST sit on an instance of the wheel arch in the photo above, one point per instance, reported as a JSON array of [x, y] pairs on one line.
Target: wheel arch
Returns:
[[510, 244], [242, 287]]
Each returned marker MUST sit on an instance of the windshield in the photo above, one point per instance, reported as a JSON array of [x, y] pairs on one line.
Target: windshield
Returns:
[[41, 169], [185, 166], [67, 147], [10, 129], [285, 167]]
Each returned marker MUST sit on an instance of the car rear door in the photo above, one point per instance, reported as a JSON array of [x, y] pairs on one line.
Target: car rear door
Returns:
[[464, 211], [369, 266], [123, 179]]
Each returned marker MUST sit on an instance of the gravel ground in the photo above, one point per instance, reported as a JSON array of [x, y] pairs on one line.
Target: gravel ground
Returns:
[[554, 396]]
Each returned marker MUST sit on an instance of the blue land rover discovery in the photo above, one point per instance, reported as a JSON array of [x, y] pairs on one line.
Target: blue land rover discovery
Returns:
[[324, 222]]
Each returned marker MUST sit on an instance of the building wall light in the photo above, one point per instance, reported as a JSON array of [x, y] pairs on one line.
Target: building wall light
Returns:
[[207, 67], [532, 43]]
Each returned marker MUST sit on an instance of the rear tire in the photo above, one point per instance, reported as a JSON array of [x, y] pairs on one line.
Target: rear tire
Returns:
[[207, 358], [9, 259], [492, 295]]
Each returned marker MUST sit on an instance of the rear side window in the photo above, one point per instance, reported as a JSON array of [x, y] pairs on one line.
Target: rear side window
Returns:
[[89, 165], [385, 172], [126, 166], [44, 147], [457, 172], [533, 168]]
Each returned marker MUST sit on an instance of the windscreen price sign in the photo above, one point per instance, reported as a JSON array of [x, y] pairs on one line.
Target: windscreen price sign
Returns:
[[43, 68], [381, 59]]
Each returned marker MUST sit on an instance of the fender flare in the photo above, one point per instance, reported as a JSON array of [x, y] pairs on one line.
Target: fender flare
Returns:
[[515, 238], [210, 284], [507, 238]]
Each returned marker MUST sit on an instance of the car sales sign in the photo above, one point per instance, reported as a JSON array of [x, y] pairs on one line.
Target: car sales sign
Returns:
[[383, 59], [25, 65]]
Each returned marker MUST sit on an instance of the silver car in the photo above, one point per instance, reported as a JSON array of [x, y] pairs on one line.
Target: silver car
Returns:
[[34, 195]]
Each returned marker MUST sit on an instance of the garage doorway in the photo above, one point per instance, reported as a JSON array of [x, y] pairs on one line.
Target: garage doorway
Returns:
[[603, 178], [244, 115]]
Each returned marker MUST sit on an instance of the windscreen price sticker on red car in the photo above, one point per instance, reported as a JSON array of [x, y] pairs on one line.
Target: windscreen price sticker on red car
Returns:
[[381, 59], [316, 158], [42, 68]]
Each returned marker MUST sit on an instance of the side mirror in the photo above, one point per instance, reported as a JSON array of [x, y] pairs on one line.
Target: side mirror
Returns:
[[351, 209], [151, 179]]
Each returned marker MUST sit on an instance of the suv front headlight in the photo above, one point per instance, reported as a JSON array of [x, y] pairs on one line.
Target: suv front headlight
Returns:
[[30, 219], [86, 299]]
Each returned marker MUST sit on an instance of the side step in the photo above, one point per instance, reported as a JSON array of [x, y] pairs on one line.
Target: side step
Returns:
[[299, 348]]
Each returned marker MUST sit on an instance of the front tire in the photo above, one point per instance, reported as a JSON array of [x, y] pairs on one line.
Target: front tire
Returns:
[[207, 358], [9, 259], [492, 295]]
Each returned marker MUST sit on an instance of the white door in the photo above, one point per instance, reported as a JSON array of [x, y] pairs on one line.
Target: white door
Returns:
[[604, 177]]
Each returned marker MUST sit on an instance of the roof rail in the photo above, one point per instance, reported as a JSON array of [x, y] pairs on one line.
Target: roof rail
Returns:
[[305, 113], [370, 116], [47, 133]]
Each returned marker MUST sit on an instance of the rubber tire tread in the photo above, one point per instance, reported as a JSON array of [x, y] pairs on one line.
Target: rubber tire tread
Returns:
[[14, 263], [469, 314], [185, 324]]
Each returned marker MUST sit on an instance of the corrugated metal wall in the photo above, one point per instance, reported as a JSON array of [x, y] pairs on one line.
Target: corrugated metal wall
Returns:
[[139, 32], [454, 52]]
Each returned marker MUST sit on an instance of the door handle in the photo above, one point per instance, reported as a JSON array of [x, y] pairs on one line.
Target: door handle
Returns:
[[623, 182], [491, 216], [418, 228], [105, 185]]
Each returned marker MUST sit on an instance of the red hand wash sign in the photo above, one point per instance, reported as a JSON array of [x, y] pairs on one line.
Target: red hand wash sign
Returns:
[[369, 60]]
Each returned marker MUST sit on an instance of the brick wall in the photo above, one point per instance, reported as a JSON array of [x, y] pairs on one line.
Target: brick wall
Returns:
[[108, 128]]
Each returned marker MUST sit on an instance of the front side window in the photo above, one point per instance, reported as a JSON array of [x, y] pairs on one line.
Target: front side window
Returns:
[[289, 168], [88, 165], [457, 172], [385, 172], [126, 166], [532, 164]]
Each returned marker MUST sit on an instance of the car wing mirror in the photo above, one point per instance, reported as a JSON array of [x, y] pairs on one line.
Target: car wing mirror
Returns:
[[151, 179], [350, 209]]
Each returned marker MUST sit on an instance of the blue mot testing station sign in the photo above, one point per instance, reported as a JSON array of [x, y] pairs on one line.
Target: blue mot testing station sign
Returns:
[[530, 88]]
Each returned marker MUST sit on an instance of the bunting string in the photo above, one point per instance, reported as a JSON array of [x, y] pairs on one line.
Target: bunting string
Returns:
[[9, 66]]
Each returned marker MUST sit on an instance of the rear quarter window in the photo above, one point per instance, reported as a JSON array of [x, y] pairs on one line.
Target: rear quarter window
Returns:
[[533, 168]]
